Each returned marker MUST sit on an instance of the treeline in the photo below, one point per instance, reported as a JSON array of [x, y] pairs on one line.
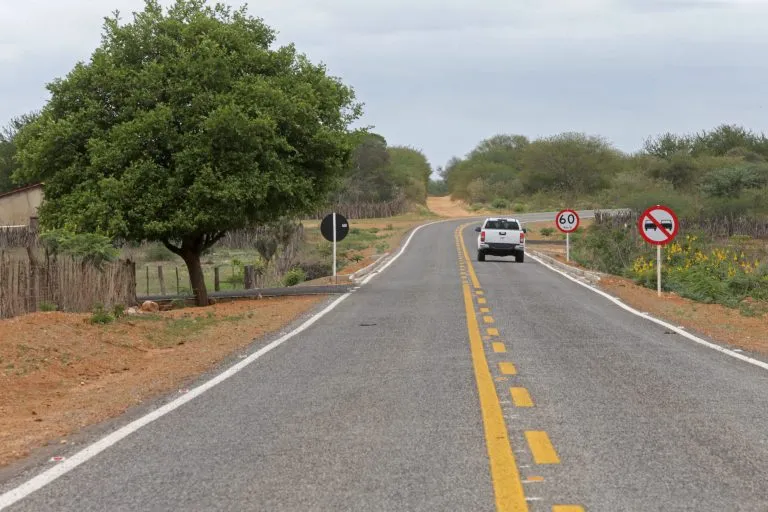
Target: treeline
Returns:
[[8, 164], [382, 174], [723, 171]]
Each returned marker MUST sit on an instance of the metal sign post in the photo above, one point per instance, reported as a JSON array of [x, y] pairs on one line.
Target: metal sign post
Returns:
[[567, 221], [658, 270], [334, 247], [658, 225], [334, 228]]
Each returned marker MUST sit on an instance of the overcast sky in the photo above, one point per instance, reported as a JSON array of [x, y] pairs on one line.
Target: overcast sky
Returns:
[[441, 75]]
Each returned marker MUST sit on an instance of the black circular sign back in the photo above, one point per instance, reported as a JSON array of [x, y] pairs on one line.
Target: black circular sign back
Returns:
[[342, 227]]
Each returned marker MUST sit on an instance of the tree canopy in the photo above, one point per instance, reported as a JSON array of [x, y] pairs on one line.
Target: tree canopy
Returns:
[[8, 162], [380, 173], [186, 123]]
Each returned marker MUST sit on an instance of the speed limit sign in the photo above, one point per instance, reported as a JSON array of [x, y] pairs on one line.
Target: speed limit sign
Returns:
[[567, 221]]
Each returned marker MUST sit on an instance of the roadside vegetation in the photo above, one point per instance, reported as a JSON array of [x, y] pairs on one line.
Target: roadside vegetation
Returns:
[[732, 271], [227, 166], [716, 181]]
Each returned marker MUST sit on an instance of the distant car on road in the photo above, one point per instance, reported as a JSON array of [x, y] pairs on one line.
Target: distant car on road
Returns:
[[501, 237]]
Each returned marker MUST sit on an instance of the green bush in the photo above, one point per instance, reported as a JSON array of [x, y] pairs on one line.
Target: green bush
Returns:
[[547, 232], [606, 249], [294, 276], [316, 269], [178, 304], [47, 306], [88, 247], [692, 268], [101, 316], [499, 203]]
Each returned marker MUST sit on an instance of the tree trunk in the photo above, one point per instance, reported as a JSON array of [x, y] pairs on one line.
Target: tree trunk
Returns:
[[191, 249], [196, 277]]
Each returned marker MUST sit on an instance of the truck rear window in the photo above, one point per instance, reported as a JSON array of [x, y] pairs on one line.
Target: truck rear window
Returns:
[[502, 224]]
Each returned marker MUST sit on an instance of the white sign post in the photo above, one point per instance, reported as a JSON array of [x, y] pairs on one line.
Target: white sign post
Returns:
[[334, 247], [334, 233], [567, 221], [658, 225]]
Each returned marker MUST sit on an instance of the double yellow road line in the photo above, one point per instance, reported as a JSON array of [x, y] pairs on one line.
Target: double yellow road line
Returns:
[[505, 474]]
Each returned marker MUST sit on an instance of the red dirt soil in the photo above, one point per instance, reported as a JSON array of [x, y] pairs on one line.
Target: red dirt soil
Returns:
[[59, 373]]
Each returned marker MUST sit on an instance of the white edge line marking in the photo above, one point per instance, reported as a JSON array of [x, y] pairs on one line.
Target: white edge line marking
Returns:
[[681, 332], [49, 475]]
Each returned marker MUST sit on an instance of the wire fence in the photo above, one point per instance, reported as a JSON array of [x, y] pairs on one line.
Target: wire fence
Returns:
[[171, 279]]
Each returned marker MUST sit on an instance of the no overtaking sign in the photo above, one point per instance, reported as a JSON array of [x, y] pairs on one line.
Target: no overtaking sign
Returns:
[[658, 225]]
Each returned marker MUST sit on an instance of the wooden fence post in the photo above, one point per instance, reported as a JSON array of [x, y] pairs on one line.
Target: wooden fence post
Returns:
[[161, 279], [147, 279], [216, 279], [249, 277], [178, 283]]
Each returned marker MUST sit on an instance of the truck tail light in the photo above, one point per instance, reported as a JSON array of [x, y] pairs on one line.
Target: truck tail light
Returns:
[[522, 237], [482, 236]]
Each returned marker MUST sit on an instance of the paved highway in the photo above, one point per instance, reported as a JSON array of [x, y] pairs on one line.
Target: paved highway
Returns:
[[447, 384]]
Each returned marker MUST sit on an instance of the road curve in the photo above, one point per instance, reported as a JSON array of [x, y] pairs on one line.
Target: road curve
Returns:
[[448, 384]]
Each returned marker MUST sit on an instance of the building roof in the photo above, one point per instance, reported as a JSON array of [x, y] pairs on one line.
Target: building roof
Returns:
[[21, 189]]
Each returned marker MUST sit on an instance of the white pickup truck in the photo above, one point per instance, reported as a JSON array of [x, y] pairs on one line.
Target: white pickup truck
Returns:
[[501, 237]]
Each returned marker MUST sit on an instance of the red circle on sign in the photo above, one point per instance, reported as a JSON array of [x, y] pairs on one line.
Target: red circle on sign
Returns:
[[648, 221], [575, 226]]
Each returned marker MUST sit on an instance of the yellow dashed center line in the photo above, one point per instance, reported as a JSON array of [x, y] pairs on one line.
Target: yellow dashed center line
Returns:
[[507, 368], [521, 397], [541, 447], [505, 475]]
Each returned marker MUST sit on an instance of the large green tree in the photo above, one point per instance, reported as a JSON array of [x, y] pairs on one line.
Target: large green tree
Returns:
[[184, 124], [411, 171], [570, 164], [368, 179], [379, 173]]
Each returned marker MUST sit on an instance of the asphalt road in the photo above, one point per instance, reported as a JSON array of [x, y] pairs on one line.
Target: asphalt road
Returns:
[[394, 399]]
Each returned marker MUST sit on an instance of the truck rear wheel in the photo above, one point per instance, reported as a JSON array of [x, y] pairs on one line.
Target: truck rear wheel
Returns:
[[480, 256], [520, 257]]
